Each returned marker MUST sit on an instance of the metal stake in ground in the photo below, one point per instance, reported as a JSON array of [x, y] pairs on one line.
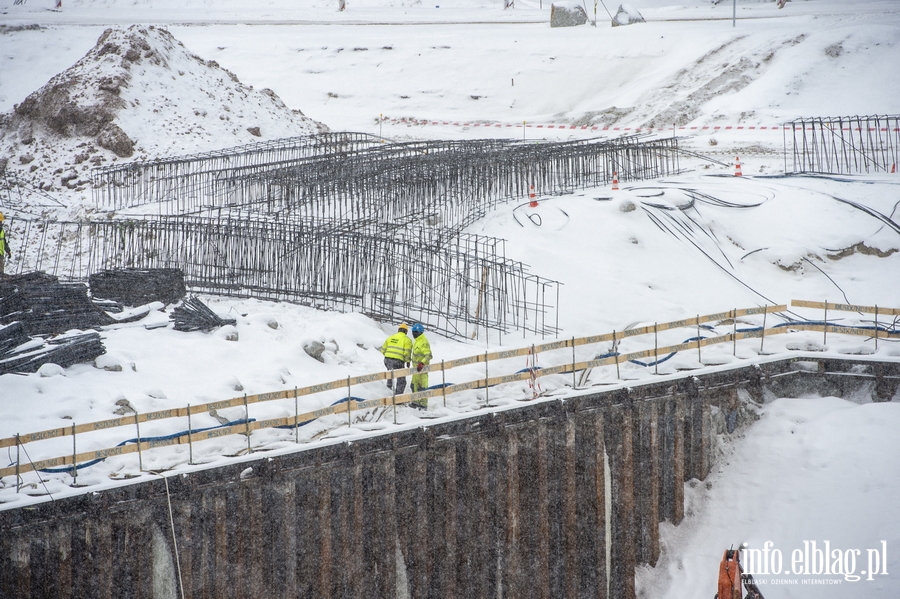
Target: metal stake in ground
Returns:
[[18, 449], [616, 355], [247, 423], [137, 425], [190, 435], [443, 383], [74, 459]]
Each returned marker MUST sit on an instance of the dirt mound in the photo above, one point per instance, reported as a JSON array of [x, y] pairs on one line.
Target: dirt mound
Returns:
[[137, 93]]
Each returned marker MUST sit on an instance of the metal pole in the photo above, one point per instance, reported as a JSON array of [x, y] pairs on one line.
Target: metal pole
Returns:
[[825, 326], [655, 351], [734, 331], [296, 417], [247, 423], [486, 376], [734, 13], [876, 327], [74, 459], [349, 417], [18, 477], [699, 355], [394, 394], [190, 441], [574, 384], [763, 339], [443, 384], [137, 425], [616, 354]]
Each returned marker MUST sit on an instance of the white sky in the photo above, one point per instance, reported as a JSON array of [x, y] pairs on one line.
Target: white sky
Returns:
[[688, 66]]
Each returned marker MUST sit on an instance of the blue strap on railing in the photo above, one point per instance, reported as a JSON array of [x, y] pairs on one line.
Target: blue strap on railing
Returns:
[[74, 467]]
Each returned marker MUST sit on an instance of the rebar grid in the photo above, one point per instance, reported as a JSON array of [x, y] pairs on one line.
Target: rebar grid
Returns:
[[460, 285], [844, 145], [356, 179], [342, 221]]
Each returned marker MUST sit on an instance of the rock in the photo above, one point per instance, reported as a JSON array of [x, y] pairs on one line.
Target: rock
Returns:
[[125, 407], [254, 131], [114, 139], [627, 206], [314, 350], [567, 14], [627, 15], [232, 336], [272, 324], [26, 158]]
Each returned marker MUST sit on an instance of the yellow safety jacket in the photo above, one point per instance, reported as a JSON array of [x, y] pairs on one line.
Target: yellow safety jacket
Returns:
[[421, 351], [2, 241], [398, 346]]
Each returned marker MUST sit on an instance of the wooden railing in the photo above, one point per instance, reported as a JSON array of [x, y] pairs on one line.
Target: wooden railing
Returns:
[[350, 405]]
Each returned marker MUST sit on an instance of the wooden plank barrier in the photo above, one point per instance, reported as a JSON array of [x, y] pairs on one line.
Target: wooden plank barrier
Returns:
[[352, 405]]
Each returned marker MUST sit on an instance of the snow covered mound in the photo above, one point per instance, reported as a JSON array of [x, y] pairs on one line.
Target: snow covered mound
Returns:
[[137, 93]]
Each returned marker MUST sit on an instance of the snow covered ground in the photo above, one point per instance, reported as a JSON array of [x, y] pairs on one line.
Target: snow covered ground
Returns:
[[811, 469]]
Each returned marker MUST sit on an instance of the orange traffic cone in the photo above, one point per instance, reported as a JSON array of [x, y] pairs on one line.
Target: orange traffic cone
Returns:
[[615, 186], [737, 167], [533, 203]]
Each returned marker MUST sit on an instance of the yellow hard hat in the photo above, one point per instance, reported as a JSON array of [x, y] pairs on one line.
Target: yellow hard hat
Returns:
[[2, 218], [403, 325]]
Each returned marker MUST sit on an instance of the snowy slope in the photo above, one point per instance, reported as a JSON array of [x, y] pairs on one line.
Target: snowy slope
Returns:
[[137, 93]]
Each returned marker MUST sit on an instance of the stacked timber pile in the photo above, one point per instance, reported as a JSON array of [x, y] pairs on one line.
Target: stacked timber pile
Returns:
[[194, 315], [138, 286]]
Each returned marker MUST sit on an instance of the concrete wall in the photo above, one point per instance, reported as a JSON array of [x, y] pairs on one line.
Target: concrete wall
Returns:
[[556, 499]]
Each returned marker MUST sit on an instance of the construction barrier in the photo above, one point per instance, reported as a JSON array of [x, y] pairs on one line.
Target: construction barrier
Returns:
[[349, 405]]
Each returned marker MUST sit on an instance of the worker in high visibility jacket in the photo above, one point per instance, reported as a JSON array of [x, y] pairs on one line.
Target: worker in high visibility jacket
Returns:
[[4, 246], [397, 350], [421, 357]]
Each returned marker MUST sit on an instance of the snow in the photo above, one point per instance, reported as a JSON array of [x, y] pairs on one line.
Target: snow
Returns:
[[808, 470]]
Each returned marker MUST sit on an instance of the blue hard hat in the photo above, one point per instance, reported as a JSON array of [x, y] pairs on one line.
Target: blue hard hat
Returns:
[[418, 328]]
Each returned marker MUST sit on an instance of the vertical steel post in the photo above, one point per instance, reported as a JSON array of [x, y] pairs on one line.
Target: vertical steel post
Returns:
[[616, 355], [443, 384], [734, 332], [655, 350], [247, 423], [699, 355], [349, 416], [763, 333], [394, 394], [190, 440], [296, 418], [487, 400], [876, 327], [18, 452], [574, 383], [74, 459], [137, 425]]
